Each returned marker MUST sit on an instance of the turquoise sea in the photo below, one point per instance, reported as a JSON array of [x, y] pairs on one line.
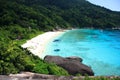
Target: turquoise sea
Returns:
[[99, 49]]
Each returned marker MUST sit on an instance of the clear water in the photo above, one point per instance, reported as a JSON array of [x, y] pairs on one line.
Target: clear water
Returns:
[[99, 49]]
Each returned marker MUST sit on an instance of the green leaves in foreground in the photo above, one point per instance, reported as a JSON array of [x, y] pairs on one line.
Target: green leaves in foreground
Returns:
[[14, 59], [24, 61], [47, 68], [53, 69]]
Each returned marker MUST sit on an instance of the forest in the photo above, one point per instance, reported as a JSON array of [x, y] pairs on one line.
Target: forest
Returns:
[[21, 20]]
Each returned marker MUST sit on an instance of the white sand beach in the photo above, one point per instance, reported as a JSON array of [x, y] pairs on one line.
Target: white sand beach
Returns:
[[37, 44]]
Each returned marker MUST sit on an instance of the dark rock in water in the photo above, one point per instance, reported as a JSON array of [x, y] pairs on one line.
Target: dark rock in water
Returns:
[[57, 50], [56, 40], [71, 64]]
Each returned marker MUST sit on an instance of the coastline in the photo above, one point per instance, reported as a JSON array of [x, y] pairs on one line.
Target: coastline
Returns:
[[37, 44]]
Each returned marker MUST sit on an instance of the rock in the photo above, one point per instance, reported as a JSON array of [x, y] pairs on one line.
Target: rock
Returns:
[[54, 59], [74, 58], [36, 76], [32, 76], [72, 64]]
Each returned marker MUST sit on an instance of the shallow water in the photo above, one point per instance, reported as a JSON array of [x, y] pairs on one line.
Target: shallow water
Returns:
[[99, 49]]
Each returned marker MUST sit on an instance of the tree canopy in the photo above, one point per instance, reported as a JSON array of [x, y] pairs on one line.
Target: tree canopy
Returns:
[[46, 15]]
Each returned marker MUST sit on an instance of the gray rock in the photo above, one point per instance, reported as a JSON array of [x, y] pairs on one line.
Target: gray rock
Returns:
[[36, 76], [74, 58], [72, 64]]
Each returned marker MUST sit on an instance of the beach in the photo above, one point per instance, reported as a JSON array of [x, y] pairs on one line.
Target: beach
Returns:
[[37, 44]]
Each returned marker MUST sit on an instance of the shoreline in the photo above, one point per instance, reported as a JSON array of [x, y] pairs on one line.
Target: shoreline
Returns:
[[38, 44]]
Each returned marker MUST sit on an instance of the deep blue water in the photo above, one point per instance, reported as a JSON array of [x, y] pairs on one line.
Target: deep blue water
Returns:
[[99, 49]]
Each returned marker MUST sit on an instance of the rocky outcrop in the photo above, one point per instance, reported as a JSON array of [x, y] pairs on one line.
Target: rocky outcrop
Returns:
[[72, 64], [74, 58], [36, 76], [33, 76]]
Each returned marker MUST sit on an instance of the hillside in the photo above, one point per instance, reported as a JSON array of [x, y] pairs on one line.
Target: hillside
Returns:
[[48, 14], [21, 20]]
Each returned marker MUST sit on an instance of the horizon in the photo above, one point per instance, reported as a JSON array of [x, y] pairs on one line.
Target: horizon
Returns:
[[109, 4]]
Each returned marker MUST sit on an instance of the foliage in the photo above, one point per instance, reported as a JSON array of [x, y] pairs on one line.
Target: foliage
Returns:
[[48, 14], [54, 69], [14, 59]]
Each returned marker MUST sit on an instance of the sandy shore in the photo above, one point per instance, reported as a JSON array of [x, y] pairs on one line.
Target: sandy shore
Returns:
[[37, 44]]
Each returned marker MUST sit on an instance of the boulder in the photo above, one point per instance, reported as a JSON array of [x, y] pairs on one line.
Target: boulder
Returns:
[[72, 64], [74, 58]]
